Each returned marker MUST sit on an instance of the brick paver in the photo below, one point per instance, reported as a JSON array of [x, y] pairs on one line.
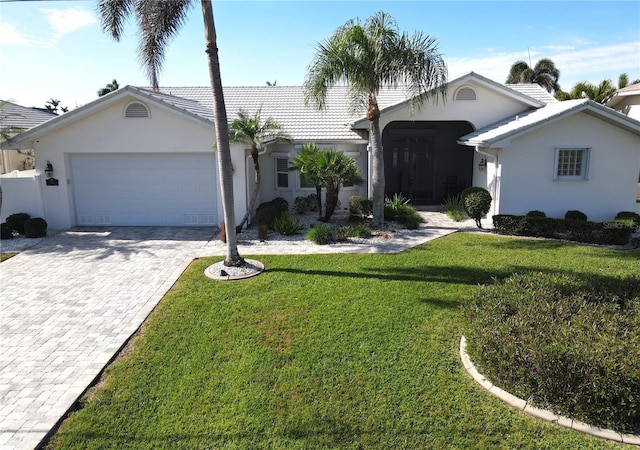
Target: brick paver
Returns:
[[67, 306]]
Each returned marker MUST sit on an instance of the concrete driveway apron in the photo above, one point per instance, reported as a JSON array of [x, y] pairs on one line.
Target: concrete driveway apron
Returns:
[[67, 306]]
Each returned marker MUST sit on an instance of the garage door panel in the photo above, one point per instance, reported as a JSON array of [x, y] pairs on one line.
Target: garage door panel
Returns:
[[150, 189]]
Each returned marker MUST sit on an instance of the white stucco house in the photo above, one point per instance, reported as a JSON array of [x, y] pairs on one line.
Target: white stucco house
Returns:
[[626, 101], [137, 157]]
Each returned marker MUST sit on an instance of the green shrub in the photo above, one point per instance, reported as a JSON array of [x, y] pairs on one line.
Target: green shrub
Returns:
[[562, 342], [409, 217], [341, 234], [396, 202], [321, 234], [266, 214], [454, 208], [360, 230], [35, 227], [17, 220], [360, 207], [301, 205], [605, 233], [281, 204], [476, 202], [6, 231], [628, 215], [536, 214], [575, 215], [286, 225]]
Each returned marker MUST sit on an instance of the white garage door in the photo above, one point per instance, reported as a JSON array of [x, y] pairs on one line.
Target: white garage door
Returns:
[[144, 189]]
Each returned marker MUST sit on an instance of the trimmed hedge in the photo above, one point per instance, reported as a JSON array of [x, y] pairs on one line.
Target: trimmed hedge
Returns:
[[6, 231], [604, 233], [569, 344], [476, 202], [35, 227], [575, 215], [17, 220], [360, 207]]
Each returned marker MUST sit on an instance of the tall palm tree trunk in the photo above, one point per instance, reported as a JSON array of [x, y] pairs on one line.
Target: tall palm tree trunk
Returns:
[[377, 171], [332, 192], [225, 171], [256, 188]]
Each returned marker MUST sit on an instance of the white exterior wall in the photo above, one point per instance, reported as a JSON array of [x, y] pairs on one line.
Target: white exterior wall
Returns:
[[108, 132], [268, 189], [21, 193], [630, 106], [527, 170], [489, 107]]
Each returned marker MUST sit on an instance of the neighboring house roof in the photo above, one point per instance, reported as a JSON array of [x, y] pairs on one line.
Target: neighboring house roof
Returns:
[[621, 94], [500, 134], [533, 90], [16, 116]]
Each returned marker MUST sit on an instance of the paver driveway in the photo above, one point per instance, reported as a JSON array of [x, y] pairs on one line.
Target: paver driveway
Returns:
[[66, 308]]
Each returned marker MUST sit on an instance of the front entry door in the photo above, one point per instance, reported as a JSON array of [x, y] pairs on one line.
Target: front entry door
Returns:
[[412, 161]]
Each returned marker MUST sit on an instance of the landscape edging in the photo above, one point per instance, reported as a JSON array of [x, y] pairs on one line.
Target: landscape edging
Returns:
[[544, 414]]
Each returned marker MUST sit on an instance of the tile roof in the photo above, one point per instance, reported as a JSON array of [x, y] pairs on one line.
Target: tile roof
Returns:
[[16, 116], [528, 121], [534, 91], [285, 104]]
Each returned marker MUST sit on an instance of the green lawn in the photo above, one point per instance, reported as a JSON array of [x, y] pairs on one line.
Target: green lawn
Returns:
[[326, 351]]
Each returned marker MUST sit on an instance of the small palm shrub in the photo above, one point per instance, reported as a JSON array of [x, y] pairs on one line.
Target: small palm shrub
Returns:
[[286, 225], [563, 342], [575, 215], [35, 227], [477, 203], [454, 208], [321, 234], [360, 207], [17, 220]]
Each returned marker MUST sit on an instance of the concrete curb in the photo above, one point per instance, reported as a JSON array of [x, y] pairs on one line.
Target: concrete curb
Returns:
[[540, 413]]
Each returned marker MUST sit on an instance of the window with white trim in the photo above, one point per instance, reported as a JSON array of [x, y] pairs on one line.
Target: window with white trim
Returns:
[[282, 173], [571, 163]]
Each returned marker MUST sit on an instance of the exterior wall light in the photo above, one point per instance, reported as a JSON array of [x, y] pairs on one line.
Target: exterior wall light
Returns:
[[482, 165], [48, 170]]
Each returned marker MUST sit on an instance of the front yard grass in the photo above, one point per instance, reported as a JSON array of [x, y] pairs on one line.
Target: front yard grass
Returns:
[[326, 351]]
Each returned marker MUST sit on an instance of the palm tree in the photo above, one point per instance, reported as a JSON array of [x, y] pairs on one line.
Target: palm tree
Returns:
[[543, 73], [252, 131], [159, 21], [368, 57], [336, 169], [598, 93], [306, 162], [113, 86]]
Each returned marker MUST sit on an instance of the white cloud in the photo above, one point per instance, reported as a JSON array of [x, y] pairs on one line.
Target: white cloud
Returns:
[[10, 36], [590, 63], [64, 21]]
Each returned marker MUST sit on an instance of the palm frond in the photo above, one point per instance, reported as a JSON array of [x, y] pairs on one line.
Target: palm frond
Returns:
[[113, 16], [159, 21]]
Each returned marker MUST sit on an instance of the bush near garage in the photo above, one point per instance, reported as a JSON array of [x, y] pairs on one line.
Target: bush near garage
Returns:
[[566, 343], [17, 220], [35, 227], [6, 231]]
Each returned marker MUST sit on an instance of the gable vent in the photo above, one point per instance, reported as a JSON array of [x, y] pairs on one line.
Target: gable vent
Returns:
[[465, 93], [136, 110]]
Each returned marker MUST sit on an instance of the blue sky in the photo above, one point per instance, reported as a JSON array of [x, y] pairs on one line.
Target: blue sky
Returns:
[[57, 49]]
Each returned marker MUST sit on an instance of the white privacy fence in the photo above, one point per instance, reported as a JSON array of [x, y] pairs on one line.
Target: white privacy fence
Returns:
[[21, 193]]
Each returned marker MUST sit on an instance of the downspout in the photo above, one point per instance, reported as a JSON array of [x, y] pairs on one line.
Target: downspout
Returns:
[[494, 184], [247, 191]]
